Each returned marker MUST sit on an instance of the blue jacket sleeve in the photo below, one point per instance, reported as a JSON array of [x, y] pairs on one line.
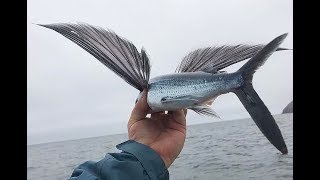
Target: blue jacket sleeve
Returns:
[[136, 161]]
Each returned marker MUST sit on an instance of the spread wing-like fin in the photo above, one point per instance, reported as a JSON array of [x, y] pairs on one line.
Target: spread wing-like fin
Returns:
[[115, 52], [212, 59]]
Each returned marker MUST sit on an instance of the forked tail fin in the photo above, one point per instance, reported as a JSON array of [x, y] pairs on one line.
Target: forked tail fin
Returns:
[[251, 100]]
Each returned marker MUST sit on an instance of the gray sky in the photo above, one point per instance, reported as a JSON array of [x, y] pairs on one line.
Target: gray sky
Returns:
[[72, 95]]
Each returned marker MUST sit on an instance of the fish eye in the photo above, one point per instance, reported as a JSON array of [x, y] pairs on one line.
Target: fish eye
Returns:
[[163, 99]]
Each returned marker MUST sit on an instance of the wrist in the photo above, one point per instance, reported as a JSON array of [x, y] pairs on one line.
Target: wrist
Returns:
[[167, 161]]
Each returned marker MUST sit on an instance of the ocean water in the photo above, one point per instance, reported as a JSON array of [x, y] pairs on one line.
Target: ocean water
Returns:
[[221, 150]]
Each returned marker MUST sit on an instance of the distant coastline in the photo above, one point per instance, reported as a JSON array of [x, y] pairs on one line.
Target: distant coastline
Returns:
[[288, 108]]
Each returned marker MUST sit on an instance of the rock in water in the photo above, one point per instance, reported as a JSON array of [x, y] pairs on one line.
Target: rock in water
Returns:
[[288, 108]]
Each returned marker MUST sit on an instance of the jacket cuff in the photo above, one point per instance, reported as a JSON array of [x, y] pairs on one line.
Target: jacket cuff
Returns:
[[150, 160]]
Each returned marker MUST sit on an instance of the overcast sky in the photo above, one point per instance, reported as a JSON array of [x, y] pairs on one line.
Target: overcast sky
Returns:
[[71, 95]]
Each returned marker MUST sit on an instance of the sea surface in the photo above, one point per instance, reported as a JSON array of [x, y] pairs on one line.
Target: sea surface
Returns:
[[221, 150]]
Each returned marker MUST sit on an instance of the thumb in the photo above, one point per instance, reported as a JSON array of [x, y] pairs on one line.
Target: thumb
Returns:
[[140, 110]]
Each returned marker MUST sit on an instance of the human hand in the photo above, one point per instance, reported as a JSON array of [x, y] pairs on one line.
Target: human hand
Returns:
[[164, 133]]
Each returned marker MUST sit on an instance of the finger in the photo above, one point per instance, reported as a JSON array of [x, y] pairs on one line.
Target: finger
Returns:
[[179, 116], [185, 112], [157, 114], [140, 110]]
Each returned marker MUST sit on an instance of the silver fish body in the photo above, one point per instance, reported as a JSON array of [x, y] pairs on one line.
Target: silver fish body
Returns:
[[185, 90]]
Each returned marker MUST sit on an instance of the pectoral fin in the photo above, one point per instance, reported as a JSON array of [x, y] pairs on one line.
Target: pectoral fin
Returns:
[[115, 52]]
